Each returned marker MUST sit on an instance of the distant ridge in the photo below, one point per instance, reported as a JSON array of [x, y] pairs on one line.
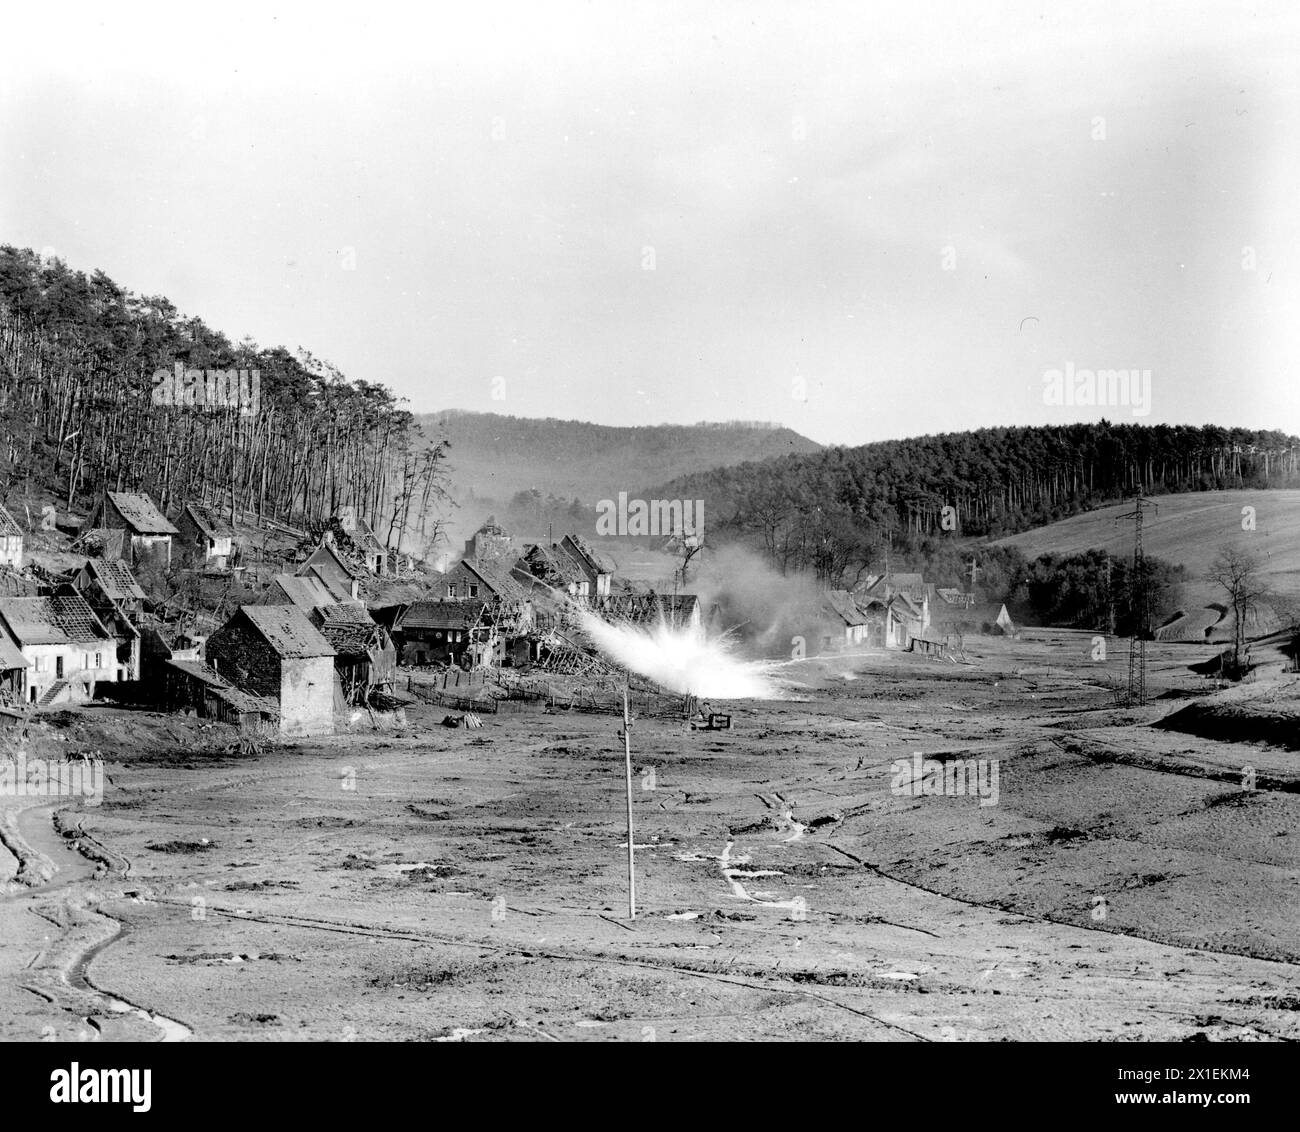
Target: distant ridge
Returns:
[[494, 456]]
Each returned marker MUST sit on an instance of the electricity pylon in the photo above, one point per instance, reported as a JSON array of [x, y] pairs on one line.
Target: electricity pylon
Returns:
[[1137, 645]]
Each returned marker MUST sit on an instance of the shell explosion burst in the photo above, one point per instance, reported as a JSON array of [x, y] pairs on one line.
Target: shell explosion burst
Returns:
[[682, 658]]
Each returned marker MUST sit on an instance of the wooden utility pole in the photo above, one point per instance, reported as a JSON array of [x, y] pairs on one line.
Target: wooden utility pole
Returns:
[[627, 766]]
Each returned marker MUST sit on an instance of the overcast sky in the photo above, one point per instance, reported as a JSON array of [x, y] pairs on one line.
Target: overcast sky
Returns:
[[863, 221]]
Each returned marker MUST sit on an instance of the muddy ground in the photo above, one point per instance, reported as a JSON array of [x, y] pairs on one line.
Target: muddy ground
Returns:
[[439, 884]]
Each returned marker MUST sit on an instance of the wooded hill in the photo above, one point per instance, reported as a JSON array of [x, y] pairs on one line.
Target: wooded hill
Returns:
[[532, 474], [829, 510], [77, 355]]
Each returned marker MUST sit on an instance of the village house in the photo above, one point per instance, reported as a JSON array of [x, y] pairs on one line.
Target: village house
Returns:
[[910, 598], [306, 592], [848, 623], [147, 537], [440, 632], [67, 648], [552, 568], [510, 612], [338, 577], [367, 547], [365, 658], [594, 566], [273, 651], [205, 541], [11, 541], [886, 621], [118, 601]]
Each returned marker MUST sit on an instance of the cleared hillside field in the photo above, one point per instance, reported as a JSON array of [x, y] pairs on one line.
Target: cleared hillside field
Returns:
[[1188, 530]]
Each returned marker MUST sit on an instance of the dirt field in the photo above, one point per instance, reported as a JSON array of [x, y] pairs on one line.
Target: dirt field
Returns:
[[441, 884]]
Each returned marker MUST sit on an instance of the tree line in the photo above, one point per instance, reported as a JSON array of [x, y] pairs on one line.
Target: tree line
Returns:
[[77, 355], [837, 513]]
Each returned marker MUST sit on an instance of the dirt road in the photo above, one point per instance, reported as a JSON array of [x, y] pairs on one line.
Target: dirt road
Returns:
[[468, 885]]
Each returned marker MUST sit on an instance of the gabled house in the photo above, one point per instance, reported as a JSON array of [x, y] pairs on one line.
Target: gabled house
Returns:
[[11, 541], [307, 592], [440, 632], [912, 618], [109, 608], [919, 598], [326, 564], [67, 648], [844, 616], [273, 651], [510, 611], [554, 569], [204, 540], [371, 551], [147, 532], [595, 566]]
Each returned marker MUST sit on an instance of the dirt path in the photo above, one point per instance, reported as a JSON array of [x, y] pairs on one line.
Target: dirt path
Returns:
[[469, 886], [62, 888]]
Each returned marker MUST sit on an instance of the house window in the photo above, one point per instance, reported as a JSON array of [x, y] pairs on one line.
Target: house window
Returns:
[[40, 664], [99, 660], [473, 590], [451, 589]]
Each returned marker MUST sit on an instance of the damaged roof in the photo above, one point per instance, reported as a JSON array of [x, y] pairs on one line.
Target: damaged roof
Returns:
[[10, 657], [307, 592], [550, 565], [650, 608], [496, 577], [61, 620], [115, 579], [240, 700], [597, 560], [841, 603], [326, 556], [8, 527], [351, 638], [140, 514], [287, 630], [208, 522], [440, 615]]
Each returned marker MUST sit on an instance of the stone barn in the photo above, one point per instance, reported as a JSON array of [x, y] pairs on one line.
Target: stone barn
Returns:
[[275, 652]]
